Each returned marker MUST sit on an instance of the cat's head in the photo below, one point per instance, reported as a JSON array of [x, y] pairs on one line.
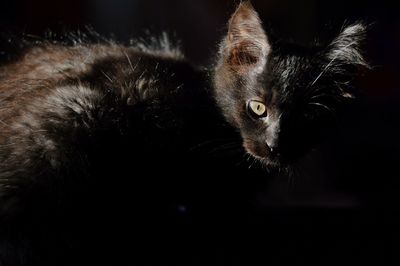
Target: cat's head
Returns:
[[278, 96]]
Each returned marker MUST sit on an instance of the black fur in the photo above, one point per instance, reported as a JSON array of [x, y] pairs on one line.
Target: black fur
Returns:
[[94, 155], [302, 88]]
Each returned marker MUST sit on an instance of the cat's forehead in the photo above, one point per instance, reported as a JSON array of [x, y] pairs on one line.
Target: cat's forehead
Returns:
[[284, 73], [284, 80]]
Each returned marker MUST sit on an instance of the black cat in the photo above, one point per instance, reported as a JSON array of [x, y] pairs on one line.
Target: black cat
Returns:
[[279, 96], [100, 143]]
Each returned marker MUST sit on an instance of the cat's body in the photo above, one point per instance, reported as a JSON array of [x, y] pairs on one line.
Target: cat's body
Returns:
[[57, 100], [96, 140], [97, 146]]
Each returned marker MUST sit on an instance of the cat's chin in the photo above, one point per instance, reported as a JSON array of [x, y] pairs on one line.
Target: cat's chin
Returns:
[[269, 162], [264, 156]]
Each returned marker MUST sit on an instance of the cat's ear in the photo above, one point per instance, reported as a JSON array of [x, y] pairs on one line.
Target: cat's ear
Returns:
[[346, 48], [345, 57], [246, 45]]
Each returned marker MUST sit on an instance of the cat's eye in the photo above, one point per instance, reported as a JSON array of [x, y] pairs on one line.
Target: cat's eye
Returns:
[[256, 109]]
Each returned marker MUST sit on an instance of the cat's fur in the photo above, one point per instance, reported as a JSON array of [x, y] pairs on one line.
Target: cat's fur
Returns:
[[93, 138], [300, 87], [93, 135], [55, 97]]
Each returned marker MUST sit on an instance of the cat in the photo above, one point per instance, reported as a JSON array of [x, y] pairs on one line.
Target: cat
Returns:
[[57, 101], [280, 96], [93, 132]]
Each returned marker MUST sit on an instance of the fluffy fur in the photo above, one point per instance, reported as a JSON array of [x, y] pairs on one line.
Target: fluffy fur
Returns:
[[95, 136], [300, 87], [86, 125]]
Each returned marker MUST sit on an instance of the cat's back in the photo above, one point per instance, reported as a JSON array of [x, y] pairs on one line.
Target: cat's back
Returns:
[[45, 72], [55, 61], [58, 104], [41, 67]]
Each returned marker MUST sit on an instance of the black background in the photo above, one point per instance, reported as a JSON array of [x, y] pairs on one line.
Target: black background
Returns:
[[342, 205]]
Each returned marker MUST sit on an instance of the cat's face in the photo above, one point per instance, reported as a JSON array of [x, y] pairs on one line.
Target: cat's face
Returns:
[[278, 96]]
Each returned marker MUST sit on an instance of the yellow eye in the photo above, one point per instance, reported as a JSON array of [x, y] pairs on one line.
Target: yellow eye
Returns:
[[257, 109]]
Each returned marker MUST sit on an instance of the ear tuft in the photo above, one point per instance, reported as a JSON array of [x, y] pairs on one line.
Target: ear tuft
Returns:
[[346, 49], [344, 58]]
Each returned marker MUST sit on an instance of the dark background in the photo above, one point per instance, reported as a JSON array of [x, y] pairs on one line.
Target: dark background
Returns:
[[342, 204]]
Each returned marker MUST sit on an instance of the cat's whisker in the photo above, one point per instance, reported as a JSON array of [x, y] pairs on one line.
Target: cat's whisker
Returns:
[[323, 106], [331, 62], [244, 159], [323, 71], [311, 91], [319, 96], [248, 157], [224, 149], [252, 162]]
